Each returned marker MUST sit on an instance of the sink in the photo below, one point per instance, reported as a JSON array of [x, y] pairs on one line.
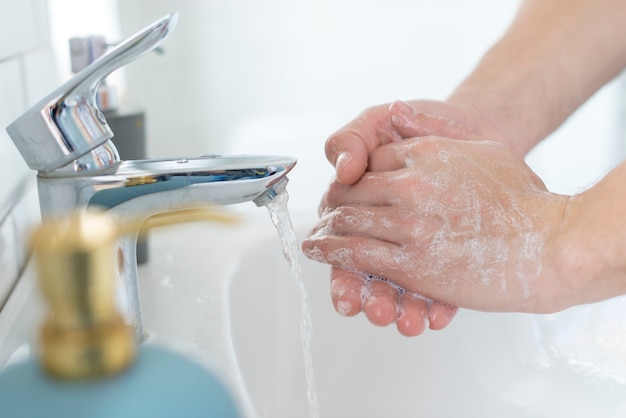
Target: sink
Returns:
[[223, 296], [483, 364]]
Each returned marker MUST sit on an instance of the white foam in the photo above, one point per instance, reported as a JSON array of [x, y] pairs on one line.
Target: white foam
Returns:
[[315, 254], [344, 308], [341, 257]]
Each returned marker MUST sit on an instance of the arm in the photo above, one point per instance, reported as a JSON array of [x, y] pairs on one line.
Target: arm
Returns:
[[554, 56]]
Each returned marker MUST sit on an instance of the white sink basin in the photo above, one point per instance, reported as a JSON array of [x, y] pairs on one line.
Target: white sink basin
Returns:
[[223, 296], [482, 365]]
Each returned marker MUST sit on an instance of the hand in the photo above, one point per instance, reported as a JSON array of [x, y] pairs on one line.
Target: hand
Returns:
[[382, 303], [461, 222], [349, 148]]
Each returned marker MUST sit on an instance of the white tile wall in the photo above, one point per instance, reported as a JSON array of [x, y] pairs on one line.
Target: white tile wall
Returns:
[[27, 73], [25, 26], [12, 101]]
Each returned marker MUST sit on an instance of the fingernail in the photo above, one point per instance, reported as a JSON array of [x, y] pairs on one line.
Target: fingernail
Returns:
[[402, 107], [397, 120], [343, 158], [401, 112]]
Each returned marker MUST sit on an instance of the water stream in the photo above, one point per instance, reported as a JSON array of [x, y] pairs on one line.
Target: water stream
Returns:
[[280, 217]]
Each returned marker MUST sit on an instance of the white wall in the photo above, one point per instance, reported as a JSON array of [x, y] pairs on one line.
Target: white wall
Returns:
[[79, 18], [26, 74], [231, 62], [278, 76]]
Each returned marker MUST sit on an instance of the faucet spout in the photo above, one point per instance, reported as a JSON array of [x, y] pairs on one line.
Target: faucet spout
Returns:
[[266, 197], [171, 184]]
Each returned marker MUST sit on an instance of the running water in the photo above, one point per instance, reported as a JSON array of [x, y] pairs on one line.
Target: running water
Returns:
[[279, 213]]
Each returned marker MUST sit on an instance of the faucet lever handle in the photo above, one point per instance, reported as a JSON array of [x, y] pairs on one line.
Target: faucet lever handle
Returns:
[[67, 123]]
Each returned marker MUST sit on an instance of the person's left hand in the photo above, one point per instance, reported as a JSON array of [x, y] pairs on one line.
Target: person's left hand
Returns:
[[464, 223]]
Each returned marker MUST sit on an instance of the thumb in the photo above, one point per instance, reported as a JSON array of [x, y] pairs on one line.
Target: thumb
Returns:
[[348, 149]]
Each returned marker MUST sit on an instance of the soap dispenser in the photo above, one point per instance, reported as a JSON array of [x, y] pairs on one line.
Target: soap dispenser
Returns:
[[89, 365]]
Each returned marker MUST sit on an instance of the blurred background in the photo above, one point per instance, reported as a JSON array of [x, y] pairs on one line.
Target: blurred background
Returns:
[[279, 76]]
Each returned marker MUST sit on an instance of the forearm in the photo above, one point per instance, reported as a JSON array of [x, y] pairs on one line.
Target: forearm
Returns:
[[589, 253], [554, 56]]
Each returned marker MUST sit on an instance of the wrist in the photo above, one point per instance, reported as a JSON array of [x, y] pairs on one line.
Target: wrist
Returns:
[[589, 253], [571, 266]]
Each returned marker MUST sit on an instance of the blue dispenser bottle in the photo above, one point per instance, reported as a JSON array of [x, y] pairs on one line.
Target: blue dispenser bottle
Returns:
[[89, 365]]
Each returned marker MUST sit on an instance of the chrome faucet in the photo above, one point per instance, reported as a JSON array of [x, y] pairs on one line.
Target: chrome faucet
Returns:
[[66, 138]]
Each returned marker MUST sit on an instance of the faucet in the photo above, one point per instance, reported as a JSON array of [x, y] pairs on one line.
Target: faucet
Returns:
[[66, 138]]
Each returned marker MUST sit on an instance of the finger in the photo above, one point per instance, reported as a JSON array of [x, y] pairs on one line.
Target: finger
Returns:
[[409, 122], [348, 148], [389, 157], [440, 315], [412, 315], [412, 152], [386, 223], [422, 157], [346, 291], [371, 189], [380, 188], [381, 258], [380, 305]]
